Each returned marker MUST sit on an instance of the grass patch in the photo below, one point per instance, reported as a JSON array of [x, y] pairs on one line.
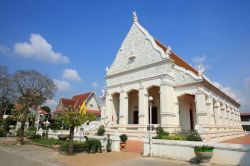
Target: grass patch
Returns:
[[49, 142], [78, 146]]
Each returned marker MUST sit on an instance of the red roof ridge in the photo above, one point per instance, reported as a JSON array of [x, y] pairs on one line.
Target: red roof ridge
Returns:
[[177, 59]]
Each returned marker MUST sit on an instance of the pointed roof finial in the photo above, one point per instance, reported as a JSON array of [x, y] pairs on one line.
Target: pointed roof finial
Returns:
[[135, 18]]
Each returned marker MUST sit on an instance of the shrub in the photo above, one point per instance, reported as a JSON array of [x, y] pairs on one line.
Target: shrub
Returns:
[[3, 133], [124, 138], [79, 146], [160, 133], [193, 136], [30, 132], [56, 124], [101, 130], [109, 143], [203, 148], [18, 132], [37, 136], [93, 144]]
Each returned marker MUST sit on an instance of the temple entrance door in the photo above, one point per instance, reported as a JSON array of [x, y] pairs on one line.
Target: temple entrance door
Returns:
[[154, 115], [135, 117], [191, 119]]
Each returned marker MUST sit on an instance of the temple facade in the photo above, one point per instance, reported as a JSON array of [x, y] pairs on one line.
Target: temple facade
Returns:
[[183, 97]]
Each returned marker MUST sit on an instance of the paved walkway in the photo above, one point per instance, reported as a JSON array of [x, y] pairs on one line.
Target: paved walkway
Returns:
[[28, 155], [32, 155], [240, 140]]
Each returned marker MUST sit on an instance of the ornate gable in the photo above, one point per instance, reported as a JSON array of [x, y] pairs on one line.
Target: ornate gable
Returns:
[[138, 49]]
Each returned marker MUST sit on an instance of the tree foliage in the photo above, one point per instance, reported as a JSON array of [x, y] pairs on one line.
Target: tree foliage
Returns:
[[72, 118], [6, 89], [30, 89]]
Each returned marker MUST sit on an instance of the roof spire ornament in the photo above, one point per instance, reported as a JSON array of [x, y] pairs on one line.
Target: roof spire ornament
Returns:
[[201, 70], [135, 18]]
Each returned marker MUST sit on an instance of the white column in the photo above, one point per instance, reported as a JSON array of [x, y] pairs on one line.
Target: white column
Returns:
[[123, 108], [228, 116], [223, 115], [201, 113], [217, 113], [143, 106], [167, 105], [239, 118], [108, 107], [210, 111]]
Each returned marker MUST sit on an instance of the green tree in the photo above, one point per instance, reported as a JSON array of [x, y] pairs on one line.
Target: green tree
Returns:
[[31, 89], [48, 110], [72, 118]]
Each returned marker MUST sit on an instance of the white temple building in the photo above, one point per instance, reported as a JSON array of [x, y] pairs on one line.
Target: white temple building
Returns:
[[183, 98]]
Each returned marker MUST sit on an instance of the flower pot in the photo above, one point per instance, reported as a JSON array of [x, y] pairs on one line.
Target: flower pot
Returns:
[[108, 150], [123, 145], [56, 147], [19, 141], [63, 137], [204, 157]]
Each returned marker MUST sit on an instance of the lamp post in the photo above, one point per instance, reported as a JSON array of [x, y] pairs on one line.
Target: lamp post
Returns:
[[46, 123], [150, 98]]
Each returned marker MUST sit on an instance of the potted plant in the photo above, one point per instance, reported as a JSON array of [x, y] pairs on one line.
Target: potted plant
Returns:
[[63, 137], [124, 139], [56, 146], [204, 153], [109, 143], [19, 138]]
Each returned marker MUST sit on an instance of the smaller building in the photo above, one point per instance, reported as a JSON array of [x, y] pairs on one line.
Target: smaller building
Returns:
[[245, 120], [76, 101]]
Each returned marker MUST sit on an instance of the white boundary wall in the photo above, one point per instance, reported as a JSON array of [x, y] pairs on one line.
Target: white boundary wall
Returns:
[[224, 154], [115, 146]]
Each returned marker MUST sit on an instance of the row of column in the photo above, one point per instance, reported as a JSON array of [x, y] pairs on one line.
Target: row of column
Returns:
[[212, 112], [167, 106]]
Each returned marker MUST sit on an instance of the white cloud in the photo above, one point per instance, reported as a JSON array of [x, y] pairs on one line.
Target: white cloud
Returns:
[[62, 85], [51, 102], [242, 96], [94, 84], [228, 90], [71, 74], [4, 49], [38, 48], [199, 62]]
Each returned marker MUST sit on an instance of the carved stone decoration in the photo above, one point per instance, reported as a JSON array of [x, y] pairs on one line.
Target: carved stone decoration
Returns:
[[183, 78]]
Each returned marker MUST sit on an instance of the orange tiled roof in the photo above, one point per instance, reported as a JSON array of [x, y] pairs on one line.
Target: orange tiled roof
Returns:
[[177, 60], [68, 102], [245, 113], [97, 113], [180, 62], [82, 97], [76, 100]]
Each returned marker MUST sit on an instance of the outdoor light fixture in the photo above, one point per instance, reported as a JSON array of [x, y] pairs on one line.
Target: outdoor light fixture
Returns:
[[150, 99]]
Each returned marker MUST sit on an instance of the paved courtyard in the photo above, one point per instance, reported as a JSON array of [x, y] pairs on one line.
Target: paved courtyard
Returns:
[[240, 140], [32, 155]]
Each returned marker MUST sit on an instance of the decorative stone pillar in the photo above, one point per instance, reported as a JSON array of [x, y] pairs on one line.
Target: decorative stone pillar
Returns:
[[167, 105], [217, 112], [123, 108], [201, 114], [143, 106], [223, 115], [210, 111], [228, 116]]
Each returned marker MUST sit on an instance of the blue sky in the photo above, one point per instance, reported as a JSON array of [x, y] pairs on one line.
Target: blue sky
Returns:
[[74, 41]]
